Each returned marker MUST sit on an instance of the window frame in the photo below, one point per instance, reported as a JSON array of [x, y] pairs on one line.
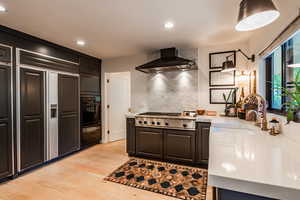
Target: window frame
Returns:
[[269, 61]]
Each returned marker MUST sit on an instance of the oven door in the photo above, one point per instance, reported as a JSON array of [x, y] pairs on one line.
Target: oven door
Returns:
[[90, 136], [90, 110]]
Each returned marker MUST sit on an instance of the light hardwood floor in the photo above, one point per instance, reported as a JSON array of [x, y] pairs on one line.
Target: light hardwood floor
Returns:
[[79, 176]]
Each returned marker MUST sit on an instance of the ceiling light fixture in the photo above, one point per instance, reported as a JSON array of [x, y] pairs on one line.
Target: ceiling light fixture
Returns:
[[297, 65], [255, 14], [2, 9], [169, 25], [80, 42]]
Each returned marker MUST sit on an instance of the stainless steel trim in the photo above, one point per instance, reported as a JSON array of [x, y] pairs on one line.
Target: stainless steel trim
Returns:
[[44, 70], [12, 111], [79, 143], [46, 56], [5, 64], [4, 45], [167, 117], [163, 127], [18, 109], [47, 118], [45, 115]]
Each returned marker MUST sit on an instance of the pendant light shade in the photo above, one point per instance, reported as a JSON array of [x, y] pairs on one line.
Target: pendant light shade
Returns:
[[255, 14]]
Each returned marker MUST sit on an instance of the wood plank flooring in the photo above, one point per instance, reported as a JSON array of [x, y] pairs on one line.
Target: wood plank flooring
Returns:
[[79, 177]]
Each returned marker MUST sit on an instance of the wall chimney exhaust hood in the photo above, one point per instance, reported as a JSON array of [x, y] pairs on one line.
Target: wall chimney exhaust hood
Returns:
[[168, 61]]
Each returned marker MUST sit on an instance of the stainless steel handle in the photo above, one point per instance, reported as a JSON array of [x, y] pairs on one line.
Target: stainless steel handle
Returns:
[[53, 110]]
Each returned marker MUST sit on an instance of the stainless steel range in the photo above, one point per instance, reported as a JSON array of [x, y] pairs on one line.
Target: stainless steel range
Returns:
[[165, 120]]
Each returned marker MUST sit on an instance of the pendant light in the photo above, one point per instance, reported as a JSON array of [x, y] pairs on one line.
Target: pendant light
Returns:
[[229, 66], [255, 14]]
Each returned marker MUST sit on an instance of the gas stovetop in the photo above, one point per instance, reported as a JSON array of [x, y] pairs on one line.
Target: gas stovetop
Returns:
[[165, 120], [161, 114]]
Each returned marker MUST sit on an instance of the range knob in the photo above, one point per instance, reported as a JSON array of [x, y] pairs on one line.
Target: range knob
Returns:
[[158, 123], [153, 123], [167, 124], [184, 125], [145, 122], [140, 122]]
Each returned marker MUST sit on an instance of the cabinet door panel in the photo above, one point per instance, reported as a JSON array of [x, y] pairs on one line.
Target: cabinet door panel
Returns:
[[5, 150], [149, 142], [89, 65], [32, 146], [68, 136], [203, 130], [130, 139], [68, 140], [205, 143], [5, 54], [5, 123], [4, 92], [68, 94], [32, 118], [180, 145]]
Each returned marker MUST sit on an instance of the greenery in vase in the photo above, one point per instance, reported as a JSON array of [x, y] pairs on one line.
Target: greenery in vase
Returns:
[[232, 96], [293, 98]]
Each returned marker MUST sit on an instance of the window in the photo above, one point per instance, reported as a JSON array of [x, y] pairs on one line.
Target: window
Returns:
[[282, 66]]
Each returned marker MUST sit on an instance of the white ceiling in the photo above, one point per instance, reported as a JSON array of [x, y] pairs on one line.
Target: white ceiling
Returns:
[[113, 28]]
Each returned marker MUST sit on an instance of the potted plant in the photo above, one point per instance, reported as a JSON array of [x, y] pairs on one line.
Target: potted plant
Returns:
[[230, 108], [293, 103]]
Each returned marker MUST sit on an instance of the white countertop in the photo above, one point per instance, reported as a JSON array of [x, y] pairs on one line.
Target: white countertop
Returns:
[[243, 158]]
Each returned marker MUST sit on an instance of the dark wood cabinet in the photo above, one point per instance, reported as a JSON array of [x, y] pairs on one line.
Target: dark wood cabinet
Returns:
[[149, 142], [202, 137], [5, 54], [89, 84], [224, 194], [5, 123], [89, 65], [130, 136], [68, 106], [32, 118], [179, 145]]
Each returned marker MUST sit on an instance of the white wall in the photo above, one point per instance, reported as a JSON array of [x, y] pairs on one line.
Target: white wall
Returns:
[[203, 72], [145, 94]]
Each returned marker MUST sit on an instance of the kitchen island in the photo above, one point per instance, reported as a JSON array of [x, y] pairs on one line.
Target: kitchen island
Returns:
[[247, 163]]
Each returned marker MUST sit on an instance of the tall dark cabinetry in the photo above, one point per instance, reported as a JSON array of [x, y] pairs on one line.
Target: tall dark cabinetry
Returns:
[[68, 103], [5, 121], [32, 118]]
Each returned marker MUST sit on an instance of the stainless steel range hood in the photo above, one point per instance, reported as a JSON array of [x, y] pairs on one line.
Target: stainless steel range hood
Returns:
[[169, 61]]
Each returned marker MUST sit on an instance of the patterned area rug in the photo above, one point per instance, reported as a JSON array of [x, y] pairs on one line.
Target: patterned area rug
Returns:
[[169, 179]]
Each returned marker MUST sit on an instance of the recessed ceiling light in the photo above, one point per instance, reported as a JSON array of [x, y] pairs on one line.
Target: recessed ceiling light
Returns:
[[169, 25], [2, 9], [80, 42]]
